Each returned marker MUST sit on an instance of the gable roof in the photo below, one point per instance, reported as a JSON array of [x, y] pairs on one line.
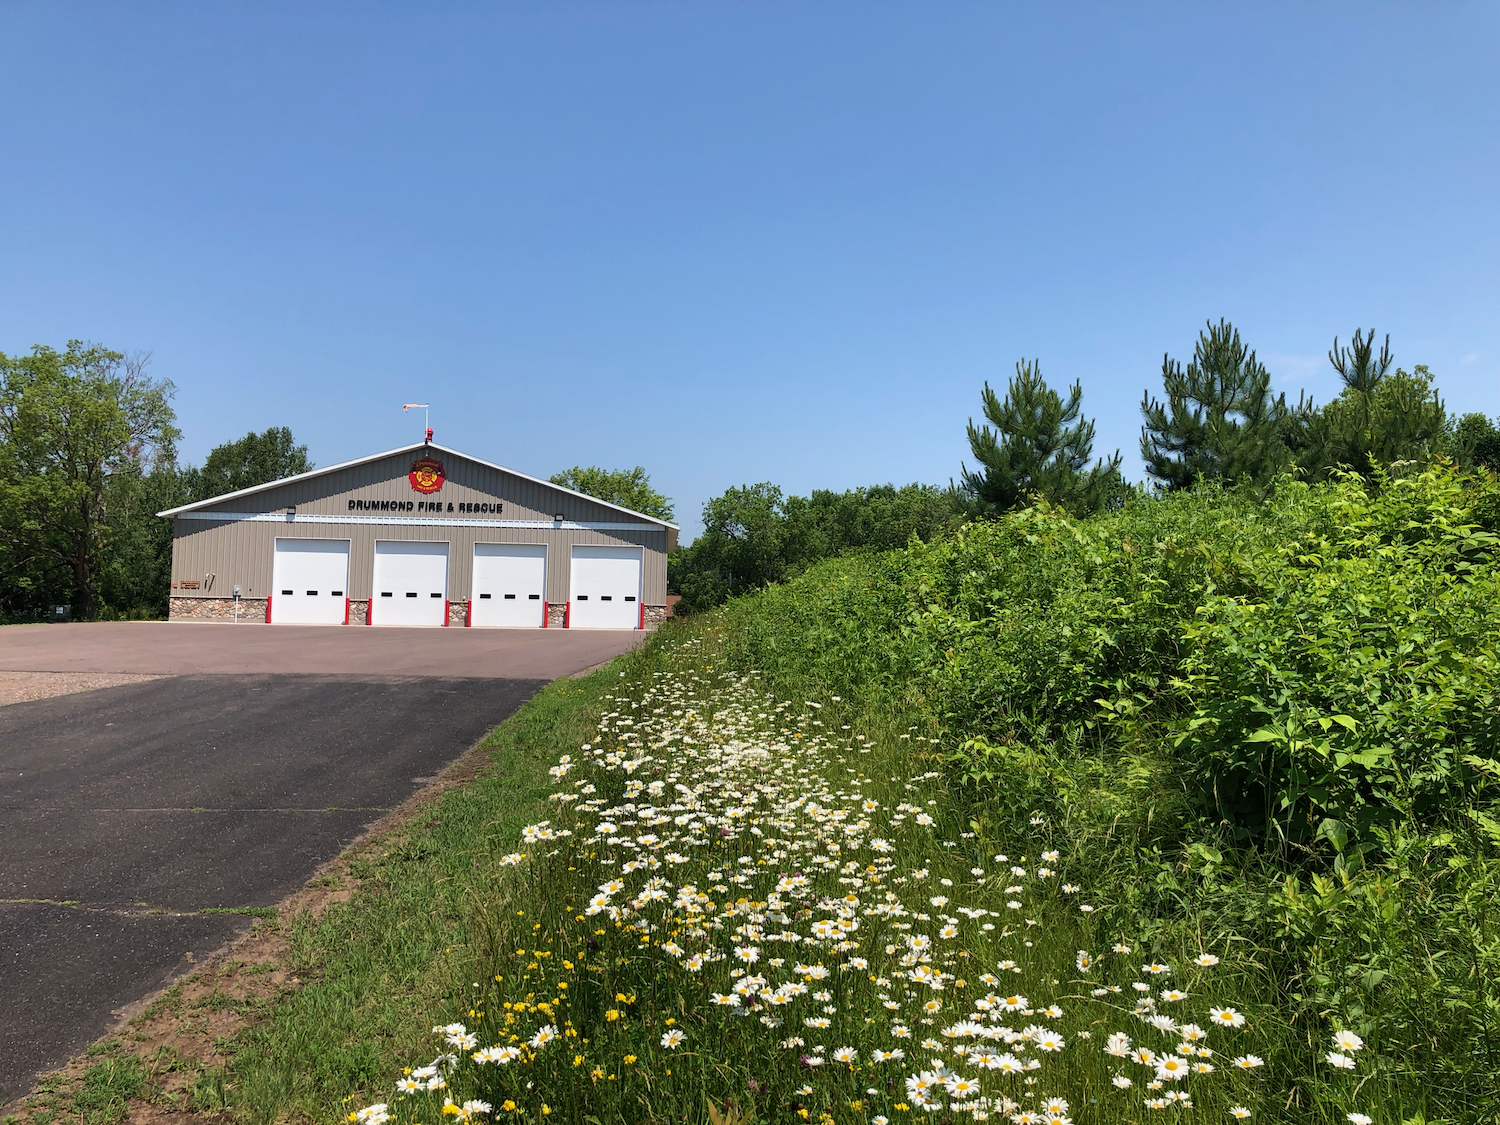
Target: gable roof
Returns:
[[413, 448]]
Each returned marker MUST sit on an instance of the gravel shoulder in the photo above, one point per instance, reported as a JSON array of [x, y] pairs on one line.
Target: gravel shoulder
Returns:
[[23, 687]]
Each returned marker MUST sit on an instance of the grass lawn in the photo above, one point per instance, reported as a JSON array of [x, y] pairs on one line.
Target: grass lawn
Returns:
[[379, 968]]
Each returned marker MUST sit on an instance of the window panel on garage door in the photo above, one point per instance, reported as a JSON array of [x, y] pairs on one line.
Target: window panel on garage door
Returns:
[[606, 588], [510, 585], [309, 581], [411, 583]]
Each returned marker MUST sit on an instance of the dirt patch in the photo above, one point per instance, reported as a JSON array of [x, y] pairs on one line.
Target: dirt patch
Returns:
[[22, 687], [175, 1040]]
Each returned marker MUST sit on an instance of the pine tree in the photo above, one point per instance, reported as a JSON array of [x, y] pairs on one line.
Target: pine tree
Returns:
[[1358, 365], [1220, 420], [1377, 418], [1039, 448]]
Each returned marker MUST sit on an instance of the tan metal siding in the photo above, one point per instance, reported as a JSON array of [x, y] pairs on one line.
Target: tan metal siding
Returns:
[[219, 555]]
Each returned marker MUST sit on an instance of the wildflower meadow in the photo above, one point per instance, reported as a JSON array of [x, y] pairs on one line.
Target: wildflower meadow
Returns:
[[741, 907]]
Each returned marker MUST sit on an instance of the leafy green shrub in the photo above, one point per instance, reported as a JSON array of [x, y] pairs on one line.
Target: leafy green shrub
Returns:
[[1273, 723], [1353, 676], [1327, 654]]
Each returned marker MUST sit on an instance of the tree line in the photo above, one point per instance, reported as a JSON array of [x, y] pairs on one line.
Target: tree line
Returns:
[[754, 535], [1215, 420]]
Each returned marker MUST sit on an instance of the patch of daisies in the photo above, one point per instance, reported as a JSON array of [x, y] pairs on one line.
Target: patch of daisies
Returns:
[[811, 910]]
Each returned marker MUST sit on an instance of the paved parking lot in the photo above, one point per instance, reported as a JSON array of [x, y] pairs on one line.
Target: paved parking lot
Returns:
[[180, 648], [259, 753]]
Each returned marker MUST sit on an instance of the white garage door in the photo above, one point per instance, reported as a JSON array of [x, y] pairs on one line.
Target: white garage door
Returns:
[[510, 585], [411, 583], [606, 590], [309, 582]]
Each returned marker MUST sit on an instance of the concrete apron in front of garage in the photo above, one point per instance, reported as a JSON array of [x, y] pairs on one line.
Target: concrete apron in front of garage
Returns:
[[127, 812]]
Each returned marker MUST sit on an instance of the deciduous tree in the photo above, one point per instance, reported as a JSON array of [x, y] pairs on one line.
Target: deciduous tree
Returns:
[[71, 421], [629, 488], [1476, 441], [753, 535], [253, 459]]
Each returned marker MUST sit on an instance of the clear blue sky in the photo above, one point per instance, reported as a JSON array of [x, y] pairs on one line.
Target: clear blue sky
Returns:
[[739, 242]]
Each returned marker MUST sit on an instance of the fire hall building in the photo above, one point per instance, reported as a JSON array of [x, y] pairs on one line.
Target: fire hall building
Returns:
[[419, 536]]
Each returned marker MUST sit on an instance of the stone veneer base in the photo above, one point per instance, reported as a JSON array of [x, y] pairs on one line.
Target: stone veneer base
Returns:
[[557, 613], [253, 611], [216, 609]]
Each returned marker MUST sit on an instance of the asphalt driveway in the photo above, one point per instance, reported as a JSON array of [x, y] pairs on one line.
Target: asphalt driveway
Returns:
[[129, 811]]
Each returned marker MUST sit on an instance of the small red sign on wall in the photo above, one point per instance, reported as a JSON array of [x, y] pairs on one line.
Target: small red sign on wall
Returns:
[[426, 475]]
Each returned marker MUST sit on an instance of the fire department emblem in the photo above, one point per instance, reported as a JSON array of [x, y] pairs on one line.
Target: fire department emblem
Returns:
[[426, 475]]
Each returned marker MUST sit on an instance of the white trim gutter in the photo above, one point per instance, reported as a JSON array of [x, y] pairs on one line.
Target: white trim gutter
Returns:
[[415, 521]]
